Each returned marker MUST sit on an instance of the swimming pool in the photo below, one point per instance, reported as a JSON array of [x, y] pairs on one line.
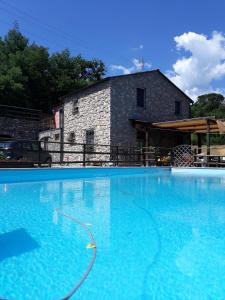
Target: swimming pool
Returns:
[[158, 234]]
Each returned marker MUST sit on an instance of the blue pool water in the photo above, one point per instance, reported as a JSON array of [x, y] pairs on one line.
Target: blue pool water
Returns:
[[159, 235]]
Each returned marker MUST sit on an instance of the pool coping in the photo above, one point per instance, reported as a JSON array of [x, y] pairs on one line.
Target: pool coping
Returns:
[[198, 171], [89, 167], [27, 175]]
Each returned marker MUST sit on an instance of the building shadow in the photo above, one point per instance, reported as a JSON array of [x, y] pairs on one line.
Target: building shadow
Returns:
[[15, 243]]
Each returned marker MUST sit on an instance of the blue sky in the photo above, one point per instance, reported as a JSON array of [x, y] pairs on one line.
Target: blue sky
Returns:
[[122, 32]]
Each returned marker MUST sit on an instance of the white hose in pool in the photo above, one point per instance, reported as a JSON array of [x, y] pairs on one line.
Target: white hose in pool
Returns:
[[92, 242], [93, 247]]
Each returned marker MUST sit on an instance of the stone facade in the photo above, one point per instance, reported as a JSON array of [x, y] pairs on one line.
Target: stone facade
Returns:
[[93, 113], [88, 110], [106, 108], [160, 99], [19, 128]]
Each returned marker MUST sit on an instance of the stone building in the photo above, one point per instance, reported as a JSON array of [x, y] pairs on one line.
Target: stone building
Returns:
[[19, 123], [115, 110]]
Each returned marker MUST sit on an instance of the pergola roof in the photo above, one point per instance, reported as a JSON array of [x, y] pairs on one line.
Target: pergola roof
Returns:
[[194, 125]]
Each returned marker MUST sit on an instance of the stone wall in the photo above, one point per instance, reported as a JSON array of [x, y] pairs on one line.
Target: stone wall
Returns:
[[88, 110], [160, 103], [19, 128], [107, 107]]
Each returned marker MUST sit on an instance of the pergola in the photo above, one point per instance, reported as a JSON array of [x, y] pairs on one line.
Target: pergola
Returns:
[[199, 126]]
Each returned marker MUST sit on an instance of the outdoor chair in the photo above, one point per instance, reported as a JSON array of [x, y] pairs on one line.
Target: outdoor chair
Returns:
[[201, 160]]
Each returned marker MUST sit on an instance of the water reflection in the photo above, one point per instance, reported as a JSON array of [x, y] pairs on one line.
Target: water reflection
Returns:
[[166, 232]]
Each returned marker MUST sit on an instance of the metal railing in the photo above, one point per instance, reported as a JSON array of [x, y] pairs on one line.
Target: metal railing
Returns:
[[68, 153], [50, 153], [53, 153]]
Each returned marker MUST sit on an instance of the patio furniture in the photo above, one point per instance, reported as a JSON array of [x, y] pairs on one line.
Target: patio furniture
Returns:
[[201, 160]]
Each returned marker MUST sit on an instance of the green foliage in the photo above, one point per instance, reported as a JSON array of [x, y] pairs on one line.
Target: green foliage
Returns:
[[2, 157], [31, 77], [209, 105]]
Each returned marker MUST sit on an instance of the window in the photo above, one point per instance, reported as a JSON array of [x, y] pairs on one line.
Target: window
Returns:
[[141, 93], [90, 140], [56, 136], [75, 107], [71, 137], [177, 108]]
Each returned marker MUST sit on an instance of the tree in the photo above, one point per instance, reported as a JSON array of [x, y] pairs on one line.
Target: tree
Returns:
[[209, 105], [11, 77], [31, 77]]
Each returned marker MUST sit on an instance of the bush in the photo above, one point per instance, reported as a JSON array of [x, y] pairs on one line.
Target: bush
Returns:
[[2, 157]]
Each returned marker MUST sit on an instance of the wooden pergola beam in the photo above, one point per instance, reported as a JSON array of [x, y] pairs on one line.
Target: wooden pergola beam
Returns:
[[205, 131], [186, 122], [194, 128], [195, 125]]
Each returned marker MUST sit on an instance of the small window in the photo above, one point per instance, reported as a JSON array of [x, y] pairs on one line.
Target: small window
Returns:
[[75, 107], [56, 136], [177, 108], [141, 93], [71, 137], [90, 140]]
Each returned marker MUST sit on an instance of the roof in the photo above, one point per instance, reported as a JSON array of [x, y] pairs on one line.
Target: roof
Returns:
[[126, 75], [19, 112], [194, 125]]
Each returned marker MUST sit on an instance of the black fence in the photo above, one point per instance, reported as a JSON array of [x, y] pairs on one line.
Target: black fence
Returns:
[[49, 153]]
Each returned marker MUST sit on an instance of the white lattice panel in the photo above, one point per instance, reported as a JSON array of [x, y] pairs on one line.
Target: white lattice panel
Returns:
[[183, 156]]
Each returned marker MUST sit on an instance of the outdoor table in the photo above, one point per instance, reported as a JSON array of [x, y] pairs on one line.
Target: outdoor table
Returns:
[[210, 160]]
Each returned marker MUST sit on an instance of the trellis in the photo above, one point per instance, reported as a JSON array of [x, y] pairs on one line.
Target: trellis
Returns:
[[183, 156]]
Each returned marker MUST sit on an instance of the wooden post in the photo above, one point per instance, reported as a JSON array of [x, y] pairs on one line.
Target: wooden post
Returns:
[[199, 139], [208, 137]]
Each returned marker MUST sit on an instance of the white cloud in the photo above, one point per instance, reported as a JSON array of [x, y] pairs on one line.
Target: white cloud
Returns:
[[137, 66], [195, 73], [120, 68]]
